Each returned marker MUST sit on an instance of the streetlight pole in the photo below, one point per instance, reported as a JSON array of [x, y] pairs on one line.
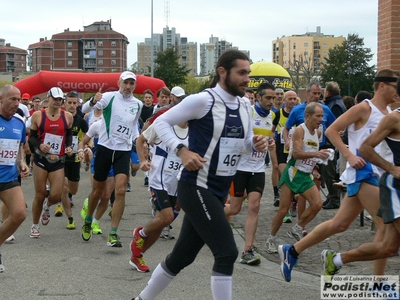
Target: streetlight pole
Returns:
[[152, 43], [348, 77]]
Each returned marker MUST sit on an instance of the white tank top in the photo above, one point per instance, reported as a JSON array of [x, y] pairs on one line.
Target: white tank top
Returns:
[[310, 144], [357, 137]]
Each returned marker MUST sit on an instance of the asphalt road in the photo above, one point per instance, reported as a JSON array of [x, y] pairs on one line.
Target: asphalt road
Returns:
[[60, 265]]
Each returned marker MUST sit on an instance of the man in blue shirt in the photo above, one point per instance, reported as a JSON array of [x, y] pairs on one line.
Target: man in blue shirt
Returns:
[[12, 162]]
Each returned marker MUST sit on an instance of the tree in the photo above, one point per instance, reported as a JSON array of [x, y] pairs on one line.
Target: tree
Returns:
[[167, 68], [348, 65], [302, 71]]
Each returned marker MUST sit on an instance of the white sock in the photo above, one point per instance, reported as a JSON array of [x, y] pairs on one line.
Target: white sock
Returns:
[[157, 283], [337, 260], [141, 232], [94, 220], [272, 237], [221, 287]]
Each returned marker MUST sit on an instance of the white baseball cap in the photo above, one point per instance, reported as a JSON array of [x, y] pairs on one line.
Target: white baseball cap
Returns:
[[55, 92], [178, 91], [126, 75]]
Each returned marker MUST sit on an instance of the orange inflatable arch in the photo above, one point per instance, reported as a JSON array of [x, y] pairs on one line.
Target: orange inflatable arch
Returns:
[[83, 82]]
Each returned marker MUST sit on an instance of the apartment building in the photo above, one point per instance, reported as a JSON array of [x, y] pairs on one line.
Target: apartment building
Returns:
[[311, 47], [12, 59], [97, 48], [161, 41]]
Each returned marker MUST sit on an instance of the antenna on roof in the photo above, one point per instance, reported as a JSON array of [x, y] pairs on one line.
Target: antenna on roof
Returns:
[[166, 12]]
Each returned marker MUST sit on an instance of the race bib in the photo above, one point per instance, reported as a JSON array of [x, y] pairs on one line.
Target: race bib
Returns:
[[8, 151], [229, 155], [55, 142]]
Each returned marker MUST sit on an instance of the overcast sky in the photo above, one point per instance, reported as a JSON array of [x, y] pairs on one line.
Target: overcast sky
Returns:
[[249, 25]]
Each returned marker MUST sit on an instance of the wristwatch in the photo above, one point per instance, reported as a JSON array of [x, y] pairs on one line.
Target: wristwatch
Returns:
[[179, 147]]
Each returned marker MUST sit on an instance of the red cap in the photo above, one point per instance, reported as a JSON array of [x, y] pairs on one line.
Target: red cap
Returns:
[[26, 96]]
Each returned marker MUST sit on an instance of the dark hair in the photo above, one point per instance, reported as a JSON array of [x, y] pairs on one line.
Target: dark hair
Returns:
[[248, 90], [163, 90], [348, 101], [384, 73], [362, 95], [264, 86], [72, 95], [148, 92], [227, 60]]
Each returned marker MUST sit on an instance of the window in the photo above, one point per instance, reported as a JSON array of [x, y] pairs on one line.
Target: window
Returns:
[[113, 43], [113, 53], [305, 44], [100, 52], [305, 53], [69, 63], [325, 54], [100, 43], [294, 45], [69, 44], [100, 62], [113, 62], [325, 45], [69, 53]]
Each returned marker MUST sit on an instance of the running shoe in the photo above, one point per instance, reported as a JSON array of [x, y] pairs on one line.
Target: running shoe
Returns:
[[128, 187], [35, 233], [295, 233], [293, 208], [110, 213], [71, 224], [271, 245], [59, 210], [276, 201], [45, 214], [139, 263], [87, 231], [113, 240], [137, 242], [2, 269], [166, 233], [287, 261], [328, 268], [96, 228], [287, 219], [84, 209], [146, 181], [249, 258], [10, 239]]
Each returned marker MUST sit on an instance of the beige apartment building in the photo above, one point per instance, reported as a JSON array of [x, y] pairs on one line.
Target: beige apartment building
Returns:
[[311, 47]]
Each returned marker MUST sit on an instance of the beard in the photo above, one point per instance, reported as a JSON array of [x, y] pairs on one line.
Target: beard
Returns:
[[232, 88]]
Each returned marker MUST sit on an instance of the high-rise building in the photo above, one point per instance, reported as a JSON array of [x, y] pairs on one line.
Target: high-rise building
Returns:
[[210, 52], [168, 39], [97, 48], [12, 59], [311, 48]]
